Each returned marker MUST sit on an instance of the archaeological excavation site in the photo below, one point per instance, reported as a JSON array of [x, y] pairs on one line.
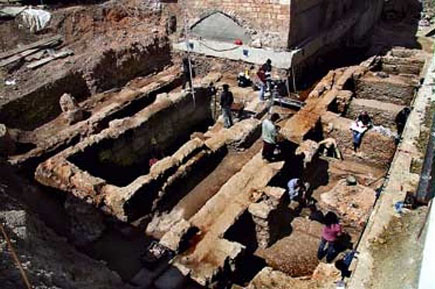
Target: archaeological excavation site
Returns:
[[187, 144]]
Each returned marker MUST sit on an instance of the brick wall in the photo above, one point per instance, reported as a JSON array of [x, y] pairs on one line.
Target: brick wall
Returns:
[[267, 20]]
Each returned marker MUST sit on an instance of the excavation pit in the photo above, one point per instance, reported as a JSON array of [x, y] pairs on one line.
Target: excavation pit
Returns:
[[56, 135], [210, 197]]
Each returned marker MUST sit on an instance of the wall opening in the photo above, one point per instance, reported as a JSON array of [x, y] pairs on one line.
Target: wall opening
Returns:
[[220, 27]]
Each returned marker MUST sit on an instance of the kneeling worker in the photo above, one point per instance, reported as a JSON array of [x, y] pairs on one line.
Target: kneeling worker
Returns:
[[269, 135]]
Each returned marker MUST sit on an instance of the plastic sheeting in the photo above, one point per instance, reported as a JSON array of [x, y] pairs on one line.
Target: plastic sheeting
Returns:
[[35, 19]]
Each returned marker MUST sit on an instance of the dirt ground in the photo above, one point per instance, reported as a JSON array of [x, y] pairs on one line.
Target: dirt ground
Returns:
[[103, 37], [399, 247]]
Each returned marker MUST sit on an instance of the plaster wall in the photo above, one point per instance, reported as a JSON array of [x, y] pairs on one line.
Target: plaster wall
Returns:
[[267, 20]]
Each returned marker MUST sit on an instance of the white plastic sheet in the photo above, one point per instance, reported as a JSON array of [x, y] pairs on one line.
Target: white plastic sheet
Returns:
[[35, 19]]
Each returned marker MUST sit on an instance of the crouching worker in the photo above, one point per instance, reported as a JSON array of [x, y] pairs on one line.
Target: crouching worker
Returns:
[[269, 135], [329, 244], [358, 128], [329, 148], [401, 119], [297, 190]]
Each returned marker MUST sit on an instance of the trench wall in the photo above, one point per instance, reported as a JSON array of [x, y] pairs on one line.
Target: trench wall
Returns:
[[157, 134], [42, 104], [114, 67]]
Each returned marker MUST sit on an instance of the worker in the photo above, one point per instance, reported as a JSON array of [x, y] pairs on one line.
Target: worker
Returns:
[[186, 69], [261, 74], [297, 189], [269, 135], [316, 214], [267, 66], [226, 102], [401, 119], [328, 147], [329, 244], [359, 127]]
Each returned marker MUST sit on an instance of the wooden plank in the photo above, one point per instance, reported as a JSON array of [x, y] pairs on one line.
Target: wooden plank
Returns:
[[38, 44], [46, 60], [35, 56], [18, 56]]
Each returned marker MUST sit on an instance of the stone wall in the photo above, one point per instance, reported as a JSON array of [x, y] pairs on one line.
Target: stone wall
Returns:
[[267, 20], [41, 104], [394, 88], [382, 113], [377, 150]]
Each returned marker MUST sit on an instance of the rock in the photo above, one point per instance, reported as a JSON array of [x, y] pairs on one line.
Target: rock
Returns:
[[178, 235], [309, 149], [351, 180], [75, 115], [326, 272], [70, 107], [67, 102]]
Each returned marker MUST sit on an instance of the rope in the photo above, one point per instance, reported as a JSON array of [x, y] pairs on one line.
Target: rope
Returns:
[[15, 257], [218, 50]]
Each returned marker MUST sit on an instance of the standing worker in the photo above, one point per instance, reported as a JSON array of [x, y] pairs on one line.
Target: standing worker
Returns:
[[269, 135], [262, 83], [227, 100], [187, 77], [267, 67], [330, 233]]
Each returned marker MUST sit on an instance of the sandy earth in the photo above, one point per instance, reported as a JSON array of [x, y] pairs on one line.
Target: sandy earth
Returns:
[[399, 251]]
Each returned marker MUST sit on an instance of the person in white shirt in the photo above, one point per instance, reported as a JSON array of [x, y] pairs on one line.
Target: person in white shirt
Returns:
[[359, 127], [269, 135]]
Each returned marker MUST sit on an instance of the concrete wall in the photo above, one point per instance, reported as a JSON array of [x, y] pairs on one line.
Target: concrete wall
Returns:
[[267, 20], [371, 13], [312, 17]]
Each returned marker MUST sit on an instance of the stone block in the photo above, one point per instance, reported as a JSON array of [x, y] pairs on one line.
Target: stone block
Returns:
[[187, 150], [179, 233]]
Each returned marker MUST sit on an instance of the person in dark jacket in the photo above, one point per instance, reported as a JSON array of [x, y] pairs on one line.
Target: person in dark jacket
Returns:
[[267, 66], [401, 118], [226, 102]]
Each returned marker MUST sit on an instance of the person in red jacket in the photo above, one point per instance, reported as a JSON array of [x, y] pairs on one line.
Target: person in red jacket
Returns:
[[262, 77]]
